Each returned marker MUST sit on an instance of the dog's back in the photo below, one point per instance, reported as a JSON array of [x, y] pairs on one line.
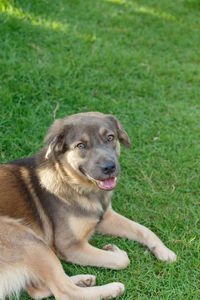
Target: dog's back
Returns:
[[15, 200], [21, 194]]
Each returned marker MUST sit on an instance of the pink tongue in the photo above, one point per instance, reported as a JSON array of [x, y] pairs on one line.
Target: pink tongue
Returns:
[[107, 184]]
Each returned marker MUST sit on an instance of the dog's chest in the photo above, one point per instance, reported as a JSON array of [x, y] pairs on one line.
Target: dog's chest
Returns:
[[82, 227], [75, 220]]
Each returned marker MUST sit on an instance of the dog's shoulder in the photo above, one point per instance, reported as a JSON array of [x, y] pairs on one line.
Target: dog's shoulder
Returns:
[[28, 162]]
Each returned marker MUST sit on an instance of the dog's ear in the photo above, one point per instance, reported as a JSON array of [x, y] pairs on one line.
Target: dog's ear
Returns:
[[122, 134], [55, 138]]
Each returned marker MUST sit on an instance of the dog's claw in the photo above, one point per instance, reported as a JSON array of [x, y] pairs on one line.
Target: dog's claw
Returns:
[[164, 254]]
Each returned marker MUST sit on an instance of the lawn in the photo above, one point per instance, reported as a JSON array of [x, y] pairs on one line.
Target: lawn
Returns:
[[139, 60]]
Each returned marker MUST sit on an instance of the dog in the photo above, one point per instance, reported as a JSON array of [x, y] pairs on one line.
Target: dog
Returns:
[[52, 203]]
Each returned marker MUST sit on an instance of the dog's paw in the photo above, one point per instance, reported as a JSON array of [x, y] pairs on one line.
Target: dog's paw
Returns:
[[163, 253], [114, 248], [113, 290], [84, 280], [121, 260]]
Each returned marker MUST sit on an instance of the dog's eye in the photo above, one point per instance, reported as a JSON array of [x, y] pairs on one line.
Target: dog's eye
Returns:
[[110, 138], [81, 146]]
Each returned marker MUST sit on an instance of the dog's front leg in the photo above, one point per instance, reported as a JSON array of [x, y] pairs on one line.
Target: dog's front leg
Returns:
[[117, 225], [109, 257]]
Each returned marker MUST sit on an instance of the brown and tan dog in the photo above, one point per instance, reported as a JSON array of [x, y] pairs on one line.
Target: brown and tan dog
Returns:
[[52, 202]]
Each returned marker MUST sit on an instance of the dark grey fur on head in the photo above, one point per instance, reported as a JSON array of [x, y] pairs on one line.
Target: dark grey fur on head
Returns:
[[56, 135]]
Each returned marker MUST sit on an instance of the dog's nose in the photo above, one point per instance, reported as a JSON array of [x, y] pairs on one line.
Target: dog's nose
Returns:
[[109, 167]]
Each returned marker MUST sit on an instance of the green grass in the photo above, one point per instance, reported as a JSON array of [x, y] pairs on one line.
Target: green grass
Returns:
[[139, 60]]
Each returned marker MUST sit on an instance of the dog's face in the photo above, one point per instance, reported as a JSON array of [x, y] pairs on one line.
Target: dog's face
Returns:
[[89, 144]]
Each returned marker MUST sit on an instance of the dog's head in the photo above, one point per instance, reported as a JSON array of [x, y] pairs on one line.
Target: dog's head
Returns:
[[88, 145]]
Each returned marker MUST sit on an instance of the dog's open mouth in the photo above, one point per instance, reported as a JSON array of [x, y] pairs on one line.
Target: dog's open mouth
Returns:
[[106, 184]]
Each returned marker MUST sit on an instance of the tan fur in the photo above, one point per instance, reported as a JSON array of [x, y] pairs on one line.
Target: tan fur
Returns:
[[54, 204], [118, 148], [54, 183], [47, 233], [117, 225], [110, 257], [29, 264], [82, 228]]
